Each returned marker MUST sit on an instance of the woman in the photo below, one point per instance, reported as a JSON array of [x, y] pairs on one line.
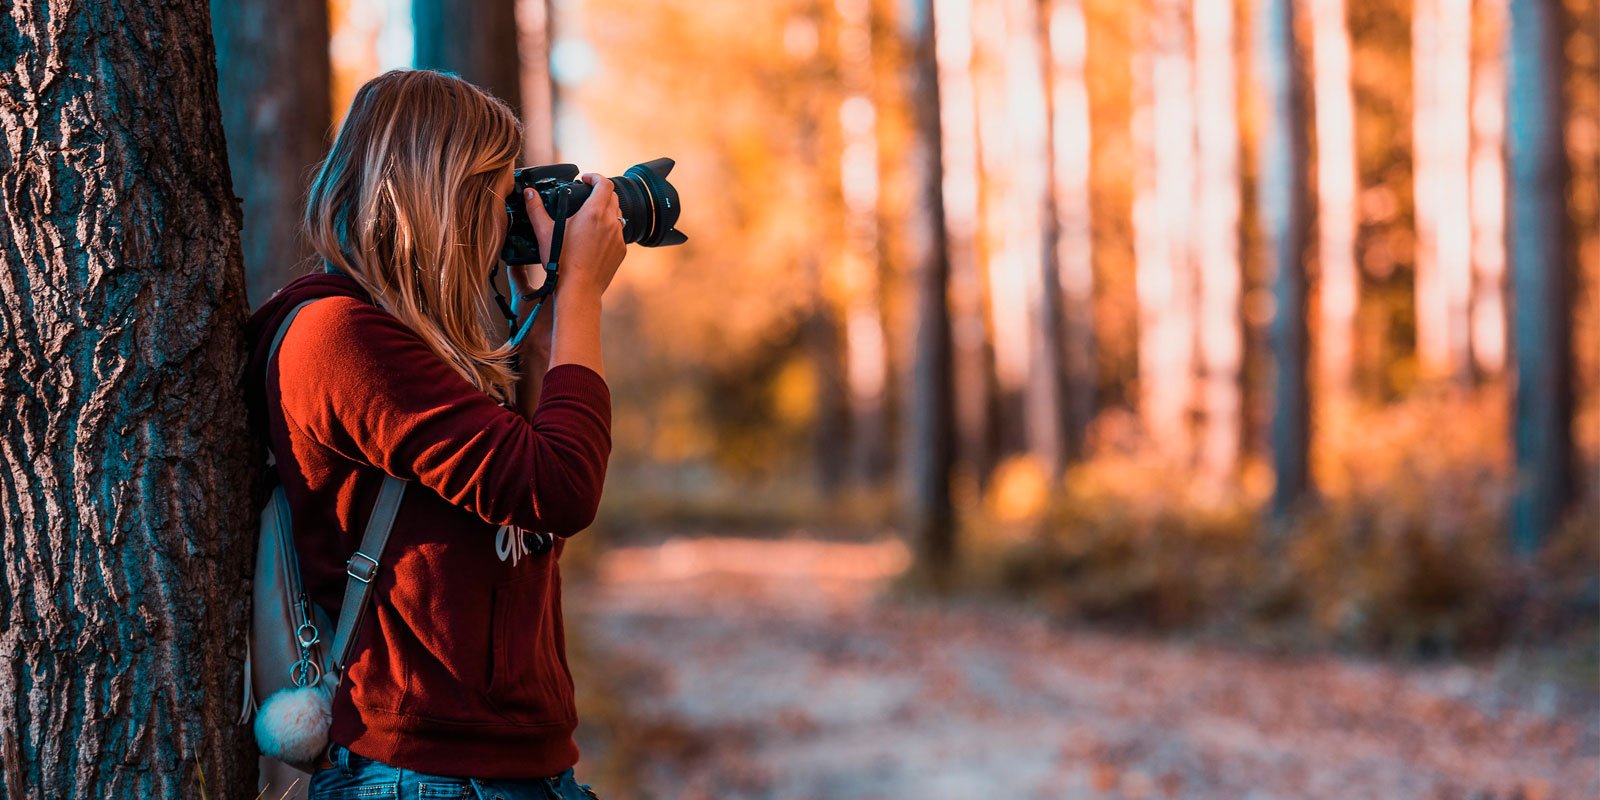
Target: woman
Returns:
[[459, 686]]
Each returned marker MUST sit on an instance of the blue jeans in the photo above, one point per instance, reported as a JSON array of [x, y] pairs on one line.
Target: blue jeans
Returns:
[[353, 776]]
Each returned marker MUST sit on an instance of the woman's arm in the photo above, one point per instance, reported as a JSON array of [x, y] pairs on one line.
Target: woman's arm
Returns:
[[592, 250], [359, 382]]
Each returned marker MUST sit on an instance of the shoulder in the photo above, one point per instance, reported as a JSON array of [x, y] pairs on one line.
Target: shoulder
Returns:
[[339, 339]]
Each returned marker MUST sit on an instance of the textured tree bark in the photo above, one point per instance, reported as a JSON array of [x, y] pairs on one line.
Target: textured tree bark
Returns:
[[1282, 206], [476, 41], [273, 73], [126, 467], [1541, 276], [930, 445]]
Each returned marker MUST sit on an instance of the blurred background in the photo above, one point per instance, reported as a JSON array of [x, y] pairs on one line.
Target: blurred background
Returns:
[[1056, 398]]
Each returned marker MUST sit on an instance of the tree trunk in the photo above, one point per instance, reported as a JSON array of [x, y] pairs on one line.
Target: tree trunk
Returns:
[[1282, 206], [1164, 202], [930, 419], [1339, 284], [535, 34], [479, 44], [1441, 50], [1070, 242], [273, 73], [1030, 240], [126, 466], [1541, 277], [1220, 331], [973, 354], [1489, 190], [866, 361]]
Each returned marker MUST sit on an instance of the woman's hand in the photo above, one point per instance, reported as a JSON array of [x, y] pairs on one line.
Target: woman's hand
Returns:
[[592, 246], [591, 250]]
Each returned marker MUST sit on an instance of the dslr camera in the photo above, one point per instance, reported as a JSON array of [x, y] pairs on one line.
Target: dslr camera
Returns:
[[647, 202]]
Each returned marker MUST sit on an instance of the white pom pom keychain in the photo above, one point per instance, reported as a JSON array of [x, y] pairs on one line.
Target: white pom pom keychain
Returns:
[[292, 726]]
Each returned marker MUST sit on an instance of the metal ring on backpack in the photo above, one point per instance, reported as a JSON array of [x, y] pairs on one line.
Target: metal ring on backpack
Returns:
[[305, 672], [300, 635]]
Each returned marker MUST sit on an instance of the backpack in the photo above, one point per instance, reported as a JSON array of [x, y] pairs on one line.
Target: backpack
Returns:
[[291, 668]]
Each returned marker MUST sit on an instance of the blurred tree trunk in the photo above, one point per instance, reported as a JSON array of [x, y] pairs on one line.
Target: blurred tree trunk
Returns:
[[1339, 284], [1541, 277], [866, 363], [1220, 333], [1441, 58], [1028, 244], [273, 72], [830, 428], [1069, 241], [1489, 189], [929, 414], [1163, 204], [535, 35], [977, 388], [127, 469], [1282, 207], [479, 43]]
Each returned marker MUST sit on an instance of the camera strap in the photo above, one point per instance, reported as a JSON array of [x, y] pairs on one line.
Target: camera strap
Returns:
[[546, 289]]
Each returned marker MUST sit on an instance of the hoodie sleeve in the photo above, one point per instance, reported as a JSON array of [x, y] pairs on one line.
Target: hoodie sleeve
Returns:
[[357, 380]]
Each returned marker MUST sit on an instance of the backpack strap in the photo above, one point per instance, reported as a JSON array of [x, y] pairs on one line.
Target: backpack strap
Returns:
[[362, 565], [362, 568]]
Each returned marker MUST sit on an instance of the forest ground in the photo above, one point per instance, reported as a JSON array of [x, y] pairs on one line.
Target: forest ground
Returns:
[[790, 669]]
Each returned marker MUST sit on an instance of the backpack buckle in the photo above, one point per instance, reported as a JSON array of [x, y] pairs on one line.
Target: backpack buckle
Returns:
[[364, 571]]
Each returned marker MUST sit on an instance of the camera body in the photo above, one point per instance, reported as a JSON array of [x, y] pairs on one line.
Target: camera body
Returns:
[[648, 203]]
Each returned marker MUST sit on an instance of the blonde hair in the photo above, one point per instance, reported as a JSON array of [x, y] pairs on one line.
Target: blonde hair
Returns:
[[405, 204]]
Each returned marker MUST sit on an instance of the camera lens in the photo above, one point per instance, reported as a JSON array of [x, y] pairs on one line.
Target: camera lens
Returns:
[[660, 202]]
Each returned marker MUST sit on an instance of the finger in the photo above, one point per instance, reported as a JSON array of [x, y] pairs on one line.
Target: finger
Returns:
[[543, 225], [535, 206]]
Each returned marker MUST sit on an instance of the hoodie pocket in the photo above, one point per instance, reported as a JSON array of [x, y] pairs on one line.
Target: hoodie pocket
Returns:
[[528, 683]]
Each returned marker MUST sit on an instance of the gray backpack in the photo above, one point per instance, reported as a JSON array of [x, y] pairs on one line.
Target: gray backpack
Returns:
[[291, 669]]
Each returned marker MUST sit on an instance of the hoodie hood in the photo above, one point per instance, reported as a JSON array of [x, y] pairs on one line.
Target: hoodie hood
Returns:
[[265, 321]]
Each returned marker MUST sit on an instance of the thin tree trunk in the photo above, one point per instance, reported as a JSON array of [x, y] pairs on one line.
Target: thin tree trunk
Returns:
[[1541, 277], [535, 34], [1489, 190], [1217, 200], [866, 363], [1032, 220], [479, 44], [1339, 285], [273, 73], [126, 466], [1070, 243], [961, 187], [1282, 204], [1441, 55], [1164, 134], [930, 421]]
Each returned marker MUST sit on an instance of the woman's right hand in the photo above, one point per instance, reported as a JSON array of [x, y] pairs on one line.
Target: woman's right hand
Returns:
[[592, 246]]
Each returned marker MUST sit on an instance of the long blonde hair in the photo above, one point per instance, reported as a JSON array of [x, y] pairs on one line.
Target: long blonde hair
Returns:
[[405, 204]]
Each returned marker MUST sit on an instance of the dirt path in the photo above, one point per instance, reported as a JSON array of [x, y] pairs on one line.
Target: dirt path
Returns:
[[779, 670]]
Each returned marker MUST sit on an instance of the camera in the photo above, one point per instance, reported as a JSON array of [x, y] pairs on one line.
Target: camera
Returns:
[[647, 202]]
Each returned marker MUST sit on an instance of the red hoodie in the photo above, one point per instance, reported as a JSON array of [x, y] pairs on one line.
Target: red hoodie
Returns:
[[460, 665]]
